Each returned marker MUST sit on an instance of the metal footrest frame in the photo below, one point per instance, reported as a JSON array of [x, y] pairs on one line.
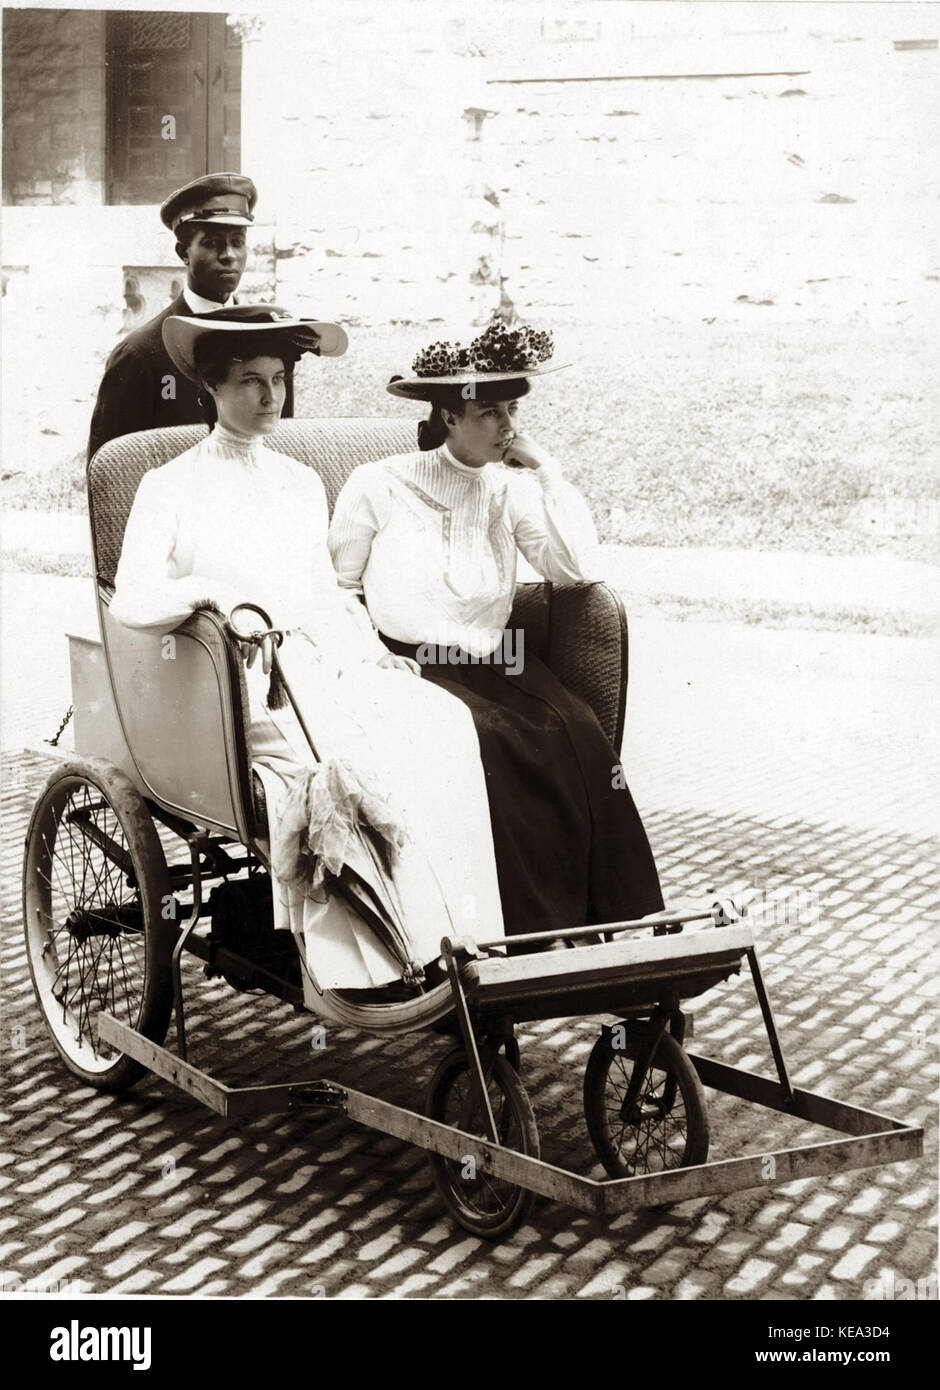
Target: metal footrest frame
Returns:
[[873, 1139]]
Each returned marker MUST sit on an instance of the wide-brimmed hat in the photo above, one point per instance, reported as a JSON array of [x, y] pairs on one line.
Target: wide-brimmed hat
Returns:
[[228, 199], [180, 334], [499, 354]]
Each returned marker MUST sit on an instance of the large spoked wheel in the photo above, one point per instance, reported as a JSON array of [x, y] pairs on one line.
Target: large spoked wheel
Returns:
[[94, 886], [664, 1125], [480, 1202]]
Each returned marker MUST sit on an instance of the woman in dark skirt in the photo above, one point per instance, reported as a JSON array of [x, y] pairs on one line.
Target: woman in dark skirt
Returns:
[[430, 540]]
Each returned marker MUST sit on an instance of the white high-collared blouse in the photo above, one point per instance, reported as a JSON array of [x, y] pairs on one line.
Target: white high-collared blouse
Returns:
[[234, 522], [432, 543]]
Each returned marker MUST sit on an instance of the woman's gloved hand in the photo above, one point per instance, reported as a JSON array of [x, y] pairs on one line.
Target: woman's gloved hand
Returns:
[[250, 652], [391, 662]]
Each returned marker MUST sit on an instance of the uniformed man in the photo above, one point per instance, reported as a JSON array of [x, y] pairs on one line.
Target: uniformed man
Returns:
[[141, 389]]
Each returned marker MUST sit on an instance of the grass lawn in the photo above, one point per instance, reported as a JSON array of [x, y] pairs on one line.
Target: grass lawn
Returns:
[[760, 435]]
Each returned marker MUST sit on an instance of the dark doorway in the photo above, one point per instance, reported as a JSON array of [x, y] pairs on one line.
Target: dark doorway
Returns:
[[174, 101]]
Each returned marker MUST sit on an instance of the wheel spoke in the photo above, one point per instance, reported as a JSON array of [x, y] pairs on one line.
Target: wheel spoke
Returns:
[[65, 987], [54, 862], [70, 844], [83, 1015], [91, 983], [130, 996], [486, 1183]]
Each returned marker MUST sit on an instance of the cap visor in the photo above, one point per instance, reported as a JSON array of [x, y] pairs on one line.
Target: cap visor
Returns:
[[225, 219]]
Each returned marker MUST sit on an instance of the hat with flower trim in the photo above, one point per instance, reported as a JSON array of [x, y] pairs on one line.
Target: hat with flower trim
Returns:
[[500, 353]]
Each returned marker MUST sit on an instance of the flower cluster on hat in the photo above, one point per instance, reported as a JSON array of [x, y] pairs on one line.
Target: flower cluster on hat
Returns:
[[498, 348]]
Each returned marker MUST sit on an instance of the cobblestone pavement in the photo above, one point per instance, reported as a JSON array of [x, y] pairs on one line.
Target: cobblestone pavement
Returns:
[[149, 1193]]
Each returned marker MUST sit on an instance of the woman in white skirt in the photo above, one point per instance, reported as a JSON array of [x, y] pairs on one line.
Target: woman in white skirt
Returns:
[[231, 522]]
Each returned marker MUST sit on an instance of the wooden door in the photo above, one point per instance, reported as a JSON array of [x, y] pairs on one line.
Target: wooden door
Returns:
[[174, 102]]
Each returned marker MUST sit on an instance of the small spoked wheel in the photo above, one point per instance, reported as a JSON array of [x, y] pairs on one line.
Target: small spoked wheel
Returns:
[[660, 1124], [95, 884], [479, 1201]]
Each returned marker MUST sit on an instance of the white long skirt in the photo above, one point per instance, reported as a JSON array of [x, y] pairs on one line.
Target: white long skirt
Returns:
[[415, 745]]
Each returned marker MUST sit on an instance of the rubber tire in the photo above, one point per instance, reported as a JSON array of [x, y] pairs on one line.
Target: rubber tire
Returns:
[[151, 1001], [673, 1062], [446, 1171]]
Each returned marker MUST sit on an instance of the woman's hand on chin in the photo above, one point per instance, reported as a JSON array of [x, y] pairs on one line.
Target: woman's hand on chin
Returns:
[[391, 662], [523, 452]]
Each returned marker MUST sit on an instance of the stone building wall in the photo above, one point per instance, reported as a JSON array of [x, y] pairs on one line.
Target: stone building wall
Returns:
[[603, 202], [798, 196], [54, 107], [363, 161]]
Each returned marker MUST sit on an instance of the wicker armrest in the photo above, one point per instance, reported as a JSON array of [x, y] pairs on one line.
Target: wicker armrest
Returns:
[[581, 633], [588, 650], [531, 612]]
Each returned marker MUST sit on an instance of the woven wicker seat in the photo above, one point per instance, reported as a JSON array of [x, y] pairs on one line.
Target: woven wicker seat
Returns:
[[581, 632]]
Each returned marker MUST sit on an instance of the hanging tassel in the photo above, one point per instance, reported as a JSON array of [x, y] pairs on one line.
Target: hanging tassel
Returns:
[[277, 695]]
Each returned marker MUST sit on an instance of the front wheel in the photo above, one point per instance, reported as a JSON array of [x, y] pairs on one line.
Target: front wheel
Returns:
[[480, 1202], [666, 1123], [95, 884]]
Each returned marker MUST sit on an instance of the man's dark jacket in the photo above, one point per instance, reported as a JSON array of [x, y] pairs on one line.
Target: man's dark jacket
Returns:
[[133, 390]]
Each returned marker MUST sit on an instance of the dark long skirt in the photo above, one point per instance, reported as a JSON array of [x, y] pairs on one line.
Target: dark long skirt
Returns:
[[570, 846]]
